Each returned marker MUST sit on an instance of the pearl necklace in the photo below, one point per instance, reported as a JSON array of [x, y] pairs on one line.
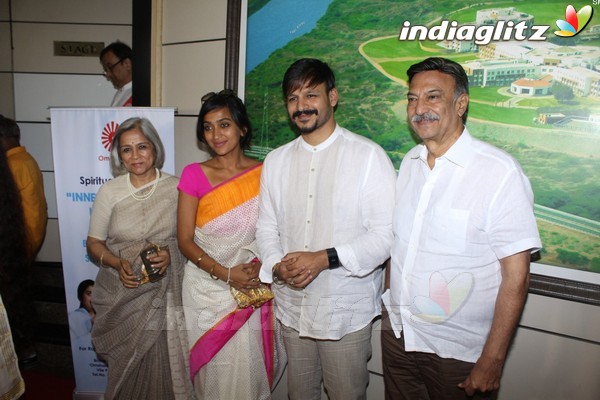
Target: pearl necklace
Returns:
[[144, 196]]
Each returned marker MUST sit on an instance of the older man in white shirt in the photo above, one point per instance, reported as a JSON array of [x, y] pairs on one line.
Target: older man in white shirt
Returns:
[[324, 230], [464, 229]]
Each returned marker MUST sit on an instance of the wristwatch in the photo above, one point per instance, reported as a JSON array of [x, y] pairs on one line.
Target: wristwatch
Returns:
[[332, 255]]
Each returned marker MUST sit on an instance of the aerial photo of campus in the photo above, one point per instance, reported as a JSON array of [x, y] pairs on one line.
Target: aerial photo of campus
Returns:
[[537, 99]]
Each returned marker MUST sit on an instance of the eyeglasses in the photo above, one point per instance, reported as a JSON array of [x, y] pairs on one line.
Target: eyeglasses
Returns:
[[109, 68], [224, 92]]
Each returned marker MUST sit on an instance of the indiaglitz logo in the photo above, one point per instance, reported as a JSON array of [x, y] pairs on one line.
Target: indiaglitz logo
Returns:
[[108, 133], [480, 35], [575, 21], [497, 25]]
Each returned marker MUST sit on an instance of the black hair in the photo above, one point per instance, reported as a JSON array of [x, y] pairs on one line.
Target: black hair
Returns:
[[448, 67], [81, 290], [119, 49], [307, 71], [9, 128], [228, 99]]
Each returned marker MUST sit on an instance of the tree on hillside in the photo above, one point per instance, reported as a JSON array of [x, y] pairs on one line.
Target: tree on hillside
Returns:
[[562, 93]]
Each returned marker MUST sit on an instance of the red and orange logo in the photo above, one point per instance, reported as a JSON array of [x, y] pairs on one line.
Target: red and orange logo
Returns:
[[108, 134]]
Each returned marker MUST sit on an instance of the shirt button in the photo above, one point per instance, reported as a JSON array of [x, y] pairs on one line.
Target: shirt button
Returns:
[[308, 222]]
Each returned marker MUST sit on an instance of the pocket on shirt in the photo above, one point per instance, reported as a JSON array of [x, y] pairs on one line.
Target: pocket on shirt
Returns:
[[447, 230]]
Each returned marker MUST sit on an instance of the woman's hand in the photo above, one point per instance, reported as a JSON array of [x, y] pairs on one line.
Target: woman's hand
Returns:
[[126, 275], [245, 276], [161, 260]]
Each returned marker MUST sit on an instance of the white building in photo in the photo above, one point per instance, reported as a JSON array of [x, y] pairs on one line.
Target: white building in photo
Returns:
[[583, 81], [500, 72], [532, 87]]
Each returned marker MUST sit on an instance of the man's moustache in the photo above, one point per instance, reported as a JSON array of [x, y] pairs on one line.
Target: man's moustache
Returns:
[[305, 112], [425, 117]]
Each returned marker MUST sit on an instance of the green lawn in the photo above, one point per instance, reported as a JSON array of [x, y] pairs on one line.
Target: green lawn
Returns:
[[489, 94], [533, 102], [389, 48], [516, 116]]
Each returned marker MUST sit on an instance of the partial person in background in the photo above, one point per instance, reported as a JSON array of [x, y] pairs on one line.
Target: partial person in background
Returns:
[[234, 351], [464, 230], [13, 256], [81, 320], [116, 60], [139, 329], [28, 179]]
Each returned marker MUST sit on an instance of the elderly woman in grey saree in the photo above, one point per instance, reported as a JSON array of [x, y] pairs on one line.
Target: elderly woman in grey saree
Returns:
[[139, 328]]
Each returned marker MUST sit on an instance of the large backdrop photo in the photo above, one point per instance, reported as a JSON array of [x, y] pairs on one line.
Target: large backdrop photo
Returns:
[[538, 98]]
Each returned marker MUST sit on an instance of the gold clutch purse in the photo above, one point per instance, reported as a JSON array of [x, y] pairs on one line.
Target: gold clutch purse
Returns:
[[252, 297]]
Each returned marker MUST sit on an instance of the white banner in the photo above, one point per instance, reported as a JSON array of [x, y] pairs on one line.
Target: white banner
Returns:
[[81, 140]]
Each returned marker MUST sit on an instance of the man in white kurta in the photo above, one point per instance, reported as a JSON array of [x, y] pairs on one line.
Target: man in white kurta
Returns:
[[324, 229]]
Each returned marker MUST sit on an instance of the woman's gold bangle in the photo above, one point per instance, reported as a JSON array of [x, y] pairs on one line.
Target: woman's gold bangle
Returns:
[[199, 259], [102, 258], [212, 269]]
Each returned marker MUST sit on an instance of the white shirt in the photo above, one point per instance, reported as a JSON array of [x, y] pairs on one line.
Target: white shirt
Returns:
[[123, 95], [452, 224], [337, 194]]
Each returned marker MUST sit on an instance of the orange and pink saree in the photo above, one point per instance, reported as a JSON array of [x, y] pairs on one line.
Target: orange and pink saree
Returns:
[[234, 353]]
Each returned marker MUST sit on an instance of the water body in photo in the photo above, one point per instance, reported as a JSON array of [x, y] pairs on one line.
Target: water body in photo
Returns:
[[278, 23]]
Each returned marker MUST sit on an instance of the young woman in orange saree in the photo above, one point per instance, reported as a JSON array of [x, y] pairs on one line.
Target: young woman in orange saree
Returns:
[[233, 351]]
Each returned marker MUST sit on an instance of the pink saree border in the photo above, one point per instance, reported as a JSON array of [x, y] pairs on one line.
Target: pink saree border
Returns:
[[207, 346]]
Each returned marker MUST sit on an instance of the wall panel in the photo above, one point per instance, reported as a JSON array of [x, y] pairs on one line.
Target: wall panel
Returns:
[[562, 317], [50, 250], [547, 366], [34, 46], [187, 148], [5, 61], [37, 138], [50, 191], [7, 100], [34, 93], [194, 20], [80, 11], [189, 72], [4, 15]]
